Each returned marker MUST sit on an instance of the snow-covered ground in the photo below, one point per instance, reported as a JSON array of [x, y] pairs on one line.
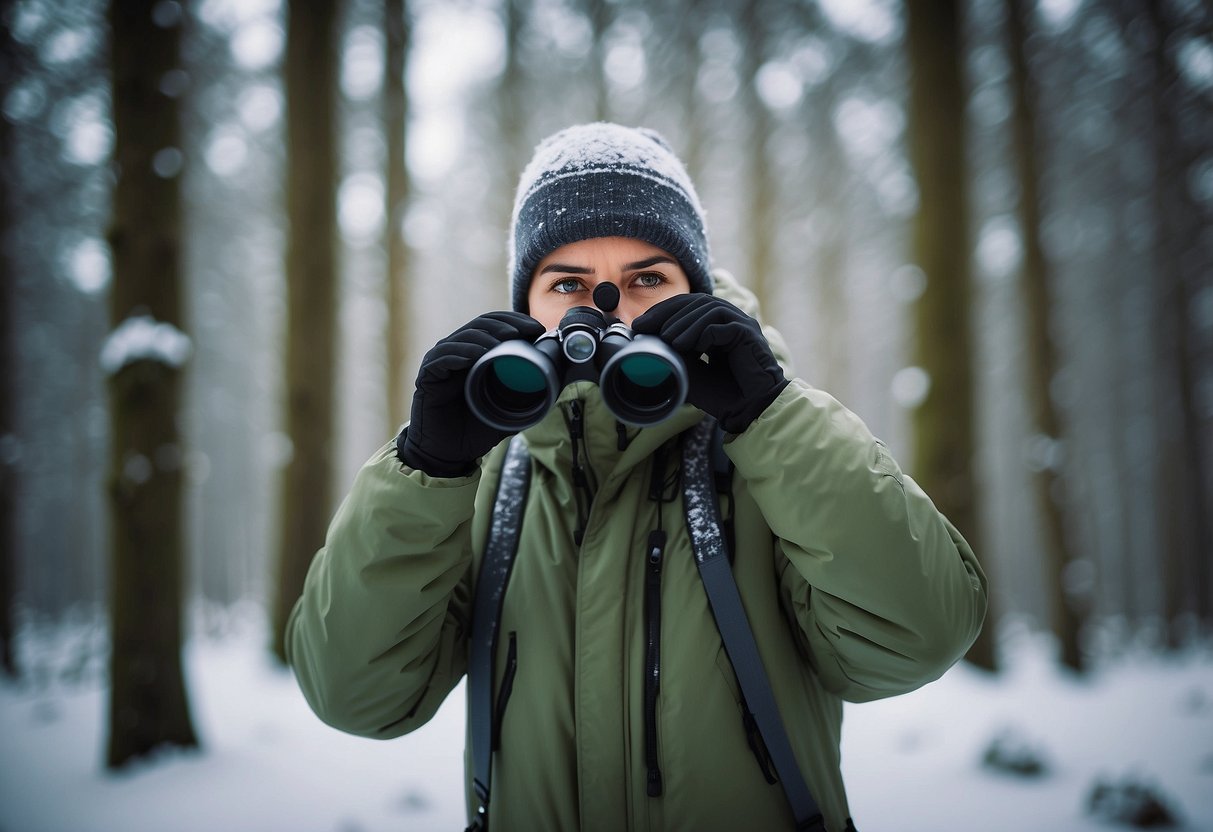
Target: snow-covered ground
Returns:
[[911, 763]]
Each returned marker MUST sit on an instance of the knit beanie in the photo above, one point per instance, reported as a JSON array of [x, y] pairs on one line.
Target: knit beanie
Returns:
[[605, 180]]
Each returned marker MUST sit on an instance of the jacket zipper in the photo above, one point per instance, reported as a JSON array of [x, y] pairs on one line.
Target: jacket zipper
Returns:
[[652, 670], [583, 494]]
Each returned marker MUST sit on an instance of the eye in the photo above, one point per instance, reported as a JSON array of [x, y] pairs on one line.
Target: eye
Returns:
[[567, 286], [649, 280]]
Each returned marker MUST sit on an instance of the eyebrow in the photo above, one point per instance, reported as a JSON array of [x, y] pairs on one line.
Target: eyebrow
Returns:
[[652, 261], [630, 267], [560, 267]]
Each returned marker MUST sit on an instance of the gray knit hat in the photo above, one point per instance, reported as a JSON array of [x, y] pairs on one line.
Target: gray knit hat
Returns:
[[605, 180]]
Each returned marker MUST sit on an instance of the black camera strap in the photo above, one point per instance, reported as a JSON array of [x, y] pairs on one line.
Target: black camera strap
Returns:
[[495, 567], [712, 558]]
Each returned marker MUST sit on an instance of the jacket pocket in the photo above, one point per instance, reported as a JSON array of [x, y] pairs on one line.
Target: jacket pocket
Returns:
[[752, 735], [507, 688]]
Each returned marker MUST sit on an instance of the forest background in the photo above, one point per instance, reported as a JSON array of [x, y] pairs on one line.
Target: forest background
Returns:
[[230, 229]]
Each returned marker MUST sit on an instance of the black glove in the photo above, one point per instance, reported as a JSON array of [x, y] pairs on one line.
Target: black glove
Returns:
[[740, 378], [444, 438]]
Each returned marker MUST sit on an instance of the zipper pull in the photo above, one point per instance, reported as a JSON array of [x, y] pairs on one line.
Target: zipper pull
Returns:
[[655, 549], [581, 483], [576, 420], [654, 782]]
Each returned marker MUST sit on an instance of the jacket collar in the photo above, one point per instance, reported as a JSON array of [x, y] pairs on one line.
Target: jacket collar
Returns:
[[551, 441]]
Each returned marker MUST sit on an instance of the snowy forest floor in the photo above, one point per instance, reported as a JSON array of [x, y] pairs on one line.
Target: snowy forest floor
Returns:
[[914, 762]]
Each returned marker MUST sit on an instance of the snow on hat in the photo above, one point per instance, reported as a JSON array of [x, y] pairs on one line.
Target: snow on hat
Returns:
[[606, 180]]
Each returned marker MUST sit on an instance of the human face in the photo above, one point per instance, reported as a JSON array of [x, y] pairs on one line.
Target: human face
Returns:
[[643, 273]]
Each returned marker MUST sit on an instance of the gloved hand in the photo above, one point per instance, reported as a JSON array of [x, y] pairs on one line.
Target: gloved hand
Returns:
[[444, 438], [740, 378]]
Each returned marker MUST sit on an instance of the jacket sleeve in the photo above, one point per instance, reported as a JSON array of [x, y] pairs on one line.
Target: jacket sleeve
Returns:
[[378, 637], [886, 593]]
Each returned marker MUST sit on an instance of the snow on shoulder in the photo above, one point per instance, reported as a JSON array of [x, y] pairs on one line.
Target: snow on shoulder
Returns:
[[143, 338]]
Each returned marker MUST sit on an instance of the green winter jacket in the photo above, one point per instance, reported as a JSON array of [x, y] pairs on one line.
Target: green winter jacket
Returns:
[[855, 586]]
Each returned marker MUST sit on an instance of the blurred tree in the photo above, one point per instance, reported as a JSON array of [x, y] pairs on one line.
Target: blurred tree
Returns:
[[148, 704], [598, 12], [397, 27], [8, 366], [511, 89], [1185, 514], [1068, 607], [1094, 177], [944, 442], [829, 268], [311, 275], [507, 104], [681, 69], [232, 125], [54, 104], [829, 206], [760, 178]]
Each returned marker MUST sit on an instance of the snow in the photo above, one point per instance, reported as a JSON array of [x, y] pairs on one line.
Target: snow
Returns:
[[143, 338], [699, 494], [911, 763]]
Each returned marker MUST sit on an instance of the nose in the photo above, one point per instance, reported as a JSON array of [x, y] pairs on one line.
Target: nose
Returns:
[[628, 310]]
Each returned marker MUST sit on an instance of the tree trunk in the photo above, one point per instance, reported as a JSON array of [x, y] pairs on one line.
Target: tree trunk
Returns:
[[762, 211], [685, 88], [943, 424], [511, 120], [829, 267], [599, 14], [1068, 607], [9, 445], [8, 375], [397, 29], [1183, 500], [311, 274], [148, 703]]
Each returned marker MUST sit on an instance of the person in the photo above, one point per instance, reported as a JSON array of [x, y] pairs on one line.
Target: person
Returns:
[[855, 586]]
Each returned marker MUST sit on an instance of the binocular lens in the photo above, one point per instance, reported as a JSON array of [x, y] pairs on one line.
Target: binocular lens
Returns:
[[645, 370], [644, 383], [512, 386], [518, 374], [580, 347]]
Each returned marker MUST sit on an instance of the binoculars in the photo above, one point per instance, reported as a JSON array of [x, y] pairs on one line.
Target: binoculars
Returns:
[[513, 385]]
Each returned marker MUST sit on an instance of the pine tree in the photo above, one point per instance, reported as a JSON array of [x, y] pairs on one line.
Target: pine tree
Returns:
[[311, 275], [1067, 608], [8, 381], [1180, 268], [148, 702], [943, 423], [397, 27]]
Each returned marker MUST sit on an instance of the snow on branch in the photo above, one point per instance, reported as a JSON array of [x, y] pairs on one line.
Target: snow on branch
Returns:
[[143, 338]]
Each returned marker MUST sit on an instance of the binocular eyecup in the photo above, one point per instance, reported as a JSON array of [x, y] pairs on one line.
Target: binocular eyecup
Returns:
[[515, 384]]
